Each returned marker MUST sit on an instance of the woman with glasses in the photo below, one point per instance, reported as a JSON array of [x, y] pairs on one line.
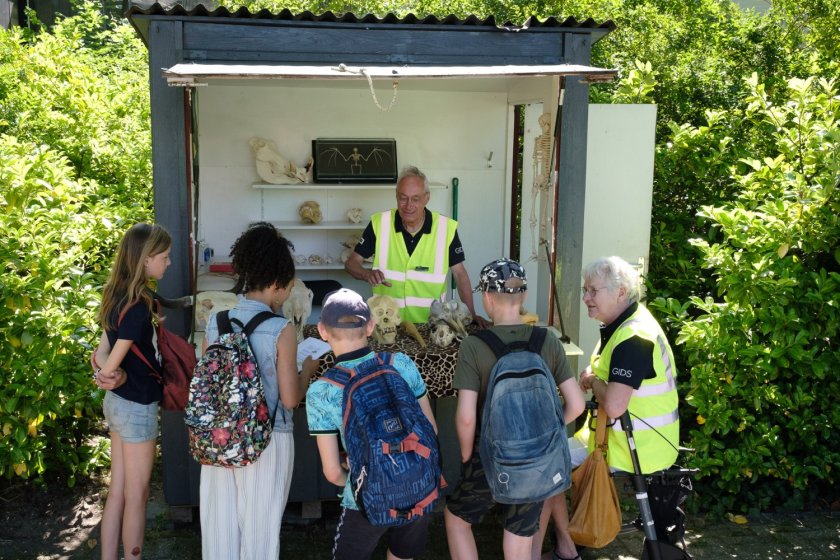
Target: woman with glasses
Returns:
[[631, 369]]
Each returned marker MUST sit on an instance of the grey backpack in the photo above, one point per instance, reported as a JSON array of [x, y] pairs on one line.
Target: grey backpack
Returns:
[[523, 443]]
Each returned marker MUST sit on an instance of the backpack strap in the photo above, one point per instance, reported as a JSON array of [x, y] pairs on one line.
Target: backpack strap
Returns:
[[492, 340], [136, 350], [535, 343], [223, 322], [256, 320]]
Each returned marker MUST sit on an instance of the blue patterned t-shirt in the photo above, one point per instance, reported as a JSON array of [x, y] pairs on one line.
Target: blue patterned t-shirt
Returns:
[[323, 405]]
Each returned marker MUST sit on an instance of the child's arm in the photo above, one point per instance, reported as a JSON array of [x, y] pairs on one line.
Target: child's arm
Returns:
[[330, 459], [465, 419], [292, 386], [573, 404], [426, 407], [103, 380]]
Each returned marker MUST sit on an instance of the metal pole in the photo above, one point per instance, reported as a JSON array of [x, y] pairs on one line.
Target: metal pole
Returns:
[[640, 486]]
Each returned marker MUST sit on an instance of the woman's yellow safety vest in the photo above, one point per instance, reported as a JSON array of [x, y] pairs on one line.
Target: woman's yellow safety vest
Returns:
[[653, 406], [419, 279]]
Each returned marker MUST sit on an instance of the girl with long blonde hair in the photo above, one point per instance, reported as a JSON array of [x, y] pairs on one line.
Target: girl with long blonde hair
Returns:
[[127, 315]]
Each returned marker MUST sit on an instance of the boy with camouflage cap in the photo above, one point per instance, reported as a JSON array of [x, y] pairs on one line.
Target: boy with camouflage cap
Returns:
[[503, 285]]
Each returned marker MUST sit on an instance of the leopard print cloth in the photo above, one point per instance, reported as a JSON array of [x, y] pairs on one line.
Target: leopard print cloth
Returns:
[[436, 363]]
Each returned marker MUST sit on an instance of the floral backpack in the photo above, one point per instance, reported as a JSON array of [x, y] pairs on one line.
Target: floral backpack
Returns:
[[227, 417]]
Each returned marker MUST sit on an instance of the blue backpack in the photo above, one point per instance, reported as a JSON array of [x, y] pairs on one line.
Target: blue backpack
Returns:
[[392, 449], [523, 443]]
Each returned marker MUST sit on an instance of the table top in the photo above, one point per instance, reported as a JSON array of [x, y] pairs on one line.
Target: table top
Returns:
[[435, 363]]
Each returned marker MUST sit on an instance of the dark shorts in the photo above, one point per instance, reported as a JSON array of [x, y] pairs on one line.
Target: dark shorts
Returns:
[[472, 500], [356, 538]]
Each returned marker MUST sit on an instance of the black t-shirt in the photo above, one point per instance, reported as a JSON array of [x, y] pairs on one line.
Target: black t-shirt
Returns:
[[367, 245], [632, 360], [136, 325]]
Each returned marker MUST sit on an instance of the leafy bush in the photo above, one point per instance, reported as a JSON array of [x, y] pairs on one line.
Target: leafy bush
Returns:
[[74, 173], [763, 349]]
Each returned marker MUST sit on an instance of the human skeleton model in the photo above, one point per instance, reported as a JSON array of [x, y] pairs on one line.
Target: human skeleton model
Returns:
[[542, 184], [274, 168]]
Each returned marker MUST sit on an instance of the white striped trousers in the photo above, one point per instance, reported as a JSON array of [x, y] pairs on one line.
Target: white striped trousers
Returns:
[[241, 509]]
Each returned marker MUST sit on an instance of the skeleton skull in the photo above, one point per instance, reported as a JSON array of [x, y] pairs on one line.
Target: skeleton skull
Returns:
[[310, 212], [387, 314], [442, 335]]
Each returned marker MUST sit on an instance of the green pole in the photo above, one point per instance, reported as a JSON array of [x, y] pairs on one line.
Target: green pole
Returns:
[[454, 211]]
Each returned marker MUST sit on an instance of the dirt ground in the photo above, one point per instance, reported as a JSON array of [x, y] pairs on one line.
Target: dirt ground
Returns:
[[50, 522], [54, 522]]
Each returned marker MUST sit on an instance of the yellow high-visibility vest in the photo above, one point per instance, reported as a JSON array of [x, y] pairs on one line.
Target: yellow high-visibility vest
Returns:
[[653, 406], [419, 279]]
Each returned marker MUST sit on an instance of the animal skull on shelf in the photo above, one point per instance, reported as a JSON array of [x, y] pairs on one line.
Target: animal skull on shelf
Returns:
[[298, 306], [442, 335], [310, 212], [273, 167], [354, 215], [387, 314], [349, 245]]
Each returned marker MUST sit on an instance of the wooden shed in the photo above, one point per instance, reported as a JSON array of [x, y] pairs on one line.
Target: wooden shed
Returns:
[[446, 91]]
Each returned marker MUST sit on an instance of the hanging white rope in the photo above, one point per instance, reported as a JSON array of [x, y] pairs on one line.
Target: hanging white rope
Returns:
[[364, 72]]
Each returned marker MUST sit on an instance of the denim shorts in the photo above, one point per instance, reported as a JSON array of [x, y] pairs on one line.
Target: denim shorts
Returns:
[[133, 422]]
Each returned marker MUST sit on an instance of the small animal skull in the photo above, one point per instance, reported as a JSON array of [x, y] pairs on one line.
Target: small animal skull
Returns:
[[349, 245], [300, 259], [387, 314], [310, 212], [442, 335], [315, 259], [328, 259], [354, 215]]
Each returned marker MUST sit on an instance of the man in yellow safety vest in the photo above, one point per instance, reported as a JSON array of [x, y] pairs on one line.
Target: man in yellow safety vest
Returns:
[[413, 248]]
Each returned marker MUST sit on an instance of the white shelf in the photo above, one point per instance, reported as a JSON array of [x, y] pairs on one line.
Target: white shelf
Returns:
[[288, 224], [337, 186]]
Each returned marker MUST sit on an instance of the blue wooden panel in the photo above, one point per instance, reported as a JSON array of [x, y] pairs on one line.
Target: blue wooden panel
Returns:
[[254, 43]]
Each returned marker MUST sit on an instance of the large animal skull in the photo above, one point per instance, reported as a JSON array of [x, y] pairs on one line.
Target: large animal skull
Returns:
[[442, 335], [450, 314], [298, 306], [387, 314]]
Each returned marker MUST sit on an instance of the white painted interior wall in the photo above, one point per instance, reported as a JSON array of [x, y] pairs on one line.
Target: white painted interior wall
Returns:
[[445, 132], [619, 192]]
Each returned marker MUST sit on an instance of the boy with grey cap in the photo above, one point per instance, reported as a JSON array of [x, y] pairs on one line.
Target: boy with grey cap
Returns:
[[503, 284], [346, 325]]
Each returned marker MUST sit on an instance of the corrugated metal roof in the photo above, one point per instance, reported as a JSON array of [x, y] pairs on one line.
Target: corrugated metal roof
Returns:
[[532, 22]]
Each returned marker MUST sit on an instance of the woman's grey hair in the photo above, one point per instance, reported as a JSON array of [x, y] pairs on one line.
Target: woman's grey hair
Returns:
[[412, 171], [616, 273]]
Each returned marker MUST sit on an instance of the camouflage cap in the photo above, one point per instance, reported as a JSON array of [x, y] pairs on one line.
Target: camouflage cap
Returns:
[[497, 276]]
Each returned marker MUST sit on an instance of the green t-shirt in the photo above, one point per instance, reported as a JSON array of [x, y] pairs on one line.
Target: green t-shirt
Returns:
[[475, 359]]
